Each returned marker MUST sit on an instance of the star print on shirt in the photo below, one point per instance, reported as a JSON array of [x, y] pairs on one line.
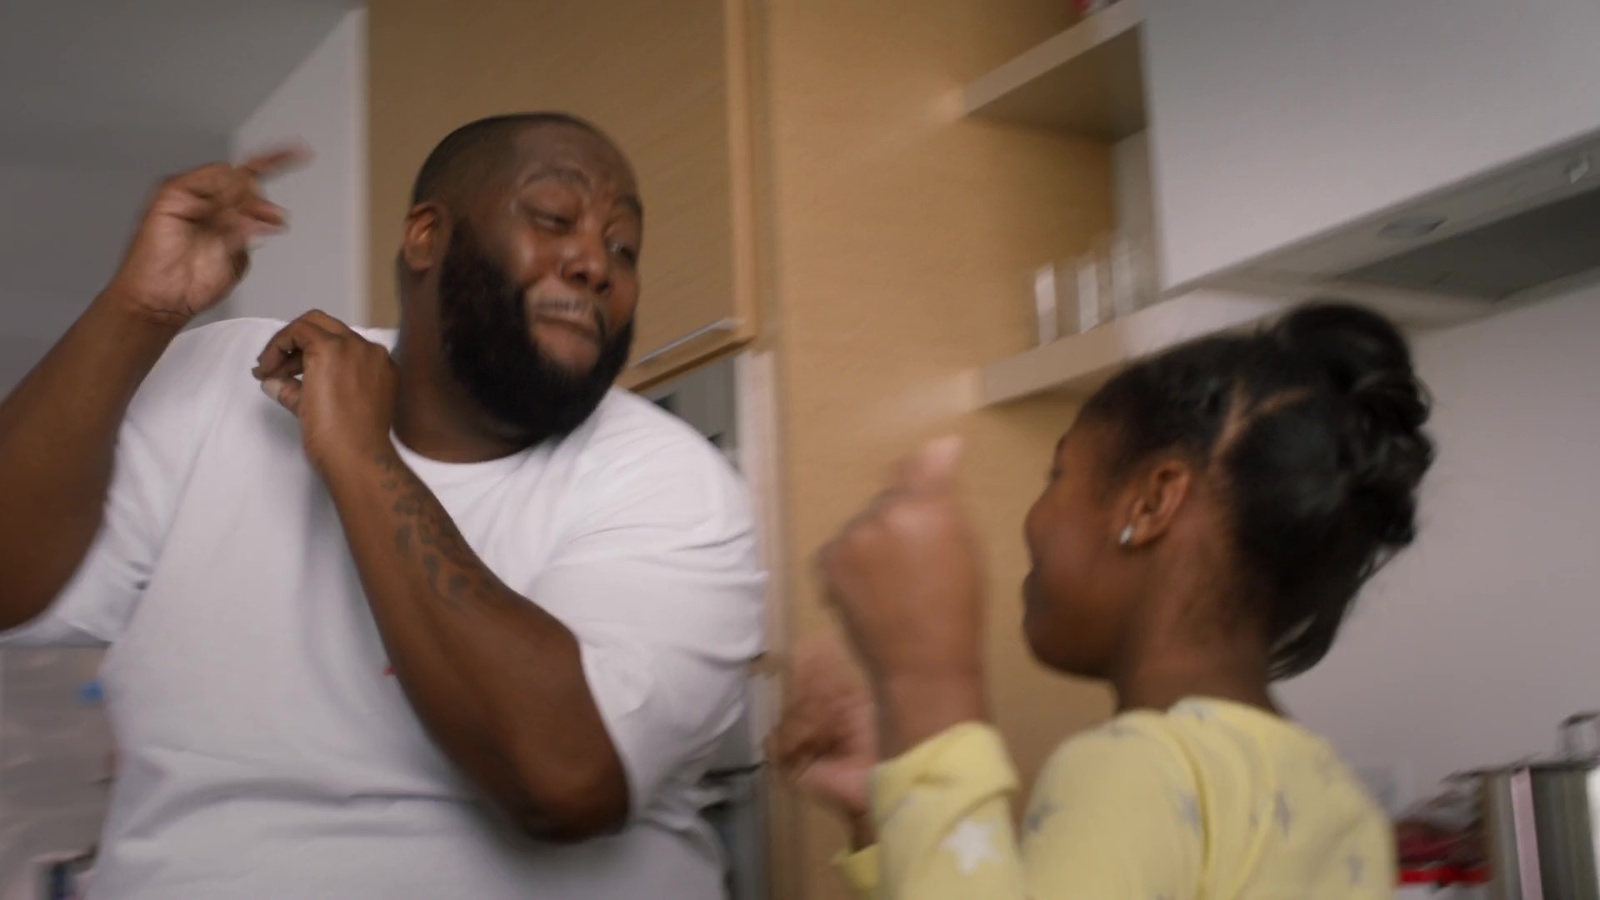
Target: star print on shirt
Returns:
[[1041, 813], [906, 802], [1189, 811], [972, 843], [1280, 811]]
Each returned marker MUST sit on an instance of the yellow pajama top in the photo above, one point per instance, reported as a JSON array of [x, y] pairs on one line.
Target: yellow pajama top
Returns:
[[1209, 800]]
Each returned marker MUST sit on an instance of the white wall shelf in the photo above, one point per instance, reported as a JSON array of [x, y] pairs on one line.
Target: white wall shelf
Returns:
[[1078, 364], [1088, 79]]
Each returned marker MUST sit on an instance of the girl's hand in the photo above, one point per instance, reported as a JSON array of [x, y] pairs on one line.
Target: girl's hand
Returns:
[[906, 578], [826, 743]]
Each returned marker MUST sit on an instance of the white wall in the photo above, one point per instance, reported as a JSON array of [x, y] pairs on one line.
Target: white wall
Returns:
[[1273, 120], [1478, 640], [63, 228], [321, 262]]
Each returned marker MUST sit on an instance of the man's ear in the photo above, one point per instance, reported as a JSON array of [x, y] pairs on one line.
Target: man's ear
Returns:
[[1156, 497], [426, 234]]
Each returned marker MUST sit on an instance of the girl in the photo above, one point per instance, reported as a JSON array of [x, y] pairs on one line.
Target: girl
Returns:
[[1208, 521]]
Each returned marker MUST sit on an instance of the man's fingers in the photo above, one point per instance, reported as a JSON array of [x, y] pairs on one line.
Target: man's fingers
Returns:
[[239, 230], [291, 341], [249, 217], [206, 181], [284, 390], [804, 733], [284, 355], [265, 212], [327, 323], [291, 366], [823, 664], [784, 744], [200, 194], [276, 161]]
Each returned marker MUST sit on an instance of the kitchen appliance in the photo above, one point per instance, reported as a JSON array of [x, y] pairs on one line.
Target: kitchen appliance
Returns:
[[1541, 820], [1512, 230], [734, 788]]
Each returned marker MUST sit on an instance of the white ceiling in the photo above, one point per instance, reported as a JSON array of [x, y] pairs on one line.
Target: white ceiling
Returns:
[[134, 83]]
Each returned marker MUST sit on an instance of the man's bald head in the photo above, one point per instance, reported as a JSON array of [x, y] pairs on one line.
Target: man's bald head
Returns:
[[479, 149], [519, 268]]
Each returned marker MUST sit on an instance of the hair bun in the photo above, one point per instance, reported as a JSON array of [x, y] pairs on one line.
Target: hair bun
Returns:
[[1367, 362]]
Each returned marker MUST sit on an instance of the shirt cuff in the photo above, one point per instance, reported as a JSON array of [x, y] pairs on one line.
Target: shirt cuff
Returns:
[[860, 870], [970, 758]]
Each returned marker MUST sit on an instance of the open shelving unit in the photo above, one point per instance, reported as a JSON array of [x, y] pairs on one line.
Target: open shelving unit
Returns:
[[1080, 363], [1077, 364], [1088, 79]]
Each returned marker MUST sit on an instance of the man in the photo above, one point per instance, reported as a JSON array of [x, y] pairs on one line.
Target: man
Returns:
[[389, 623]]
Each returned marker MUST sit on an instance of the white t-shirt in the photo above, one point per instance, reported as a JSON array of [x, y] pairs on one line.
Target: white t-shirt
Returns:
[[264, 751]]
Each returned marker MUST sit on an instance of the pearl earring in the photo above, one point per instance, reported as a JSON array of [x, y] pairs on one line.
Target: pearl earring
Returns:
[[1127, 536]]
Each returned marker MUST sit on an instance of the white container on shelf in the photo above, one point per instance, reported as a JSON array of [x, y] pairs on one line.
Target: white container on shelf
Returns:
[[1047, 303], [1123, 265], [1070, 297], [1092, 296], [1114, 279]]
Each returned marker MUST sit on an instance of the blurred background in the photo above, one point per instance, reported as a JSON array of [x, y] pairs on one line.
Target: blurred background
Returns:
[[873, 222]]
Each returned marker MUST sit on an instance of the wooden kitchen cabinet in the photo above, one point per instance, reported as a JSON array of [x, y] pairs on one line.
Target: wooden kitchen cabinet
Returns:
[[668, 81]]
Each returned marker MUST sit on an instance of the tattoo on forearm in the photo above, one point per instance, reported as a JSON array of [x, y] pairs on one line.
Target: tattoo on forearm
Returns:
[[430, 562], [455, 574]]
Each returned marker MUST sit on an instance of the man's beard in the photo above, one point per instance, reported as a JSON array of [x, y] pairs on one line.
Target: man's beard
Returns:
[[491, 352]]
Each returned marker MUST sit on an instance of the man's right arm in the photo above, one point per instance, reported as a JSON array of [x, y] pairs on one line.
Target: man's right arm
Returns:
[[59, 427], [58, 433]]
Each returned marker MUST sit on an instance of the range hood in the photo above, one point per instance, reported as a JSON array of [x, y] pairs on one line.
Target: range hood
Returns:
[[1521, 227]]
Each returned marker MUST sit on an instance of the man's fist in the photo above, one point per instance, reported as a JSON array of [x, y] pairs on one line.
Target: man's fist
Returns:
[[827, 742]]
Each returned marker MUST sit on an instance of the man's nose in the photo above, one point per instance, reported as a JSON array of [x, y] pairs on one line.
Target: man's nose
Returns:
[[584, 263]]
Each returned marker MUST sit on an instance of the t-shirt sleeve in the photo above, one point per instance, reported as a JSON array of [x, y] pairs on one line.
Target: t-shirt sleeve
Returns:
[[943, 815], [1115, 816], [661, 582], [156, 448]]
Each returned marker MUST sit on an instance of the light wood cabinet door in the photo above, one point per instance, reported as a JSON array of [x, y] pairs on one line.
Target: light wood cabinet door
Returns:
[[668, 81]]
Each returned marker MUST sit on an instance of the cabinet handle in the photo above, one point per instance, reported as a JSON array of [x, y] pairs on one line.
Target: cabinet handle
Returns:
[[728, 324]]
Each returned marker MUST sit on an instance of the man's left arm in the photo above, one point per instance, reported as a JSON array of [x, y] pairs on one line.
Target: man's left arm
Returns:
[[496, 679], [566, 723]]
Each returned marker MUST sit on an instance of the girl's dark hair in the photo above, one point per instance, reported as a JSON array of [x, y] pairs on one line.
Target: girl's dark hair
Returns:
[[1313, 430]]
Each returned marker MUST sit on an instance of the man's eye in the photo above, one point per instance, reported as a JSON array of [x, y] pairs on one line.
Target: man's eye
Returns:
[[552, 221], [626, 252]]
